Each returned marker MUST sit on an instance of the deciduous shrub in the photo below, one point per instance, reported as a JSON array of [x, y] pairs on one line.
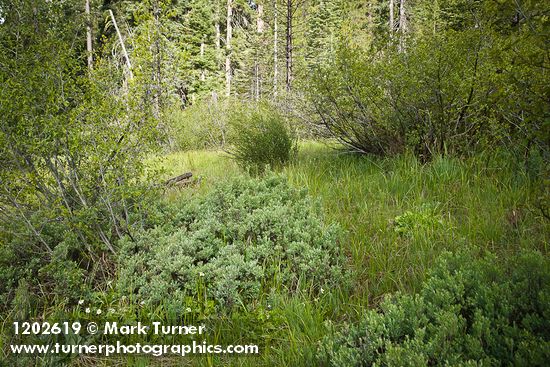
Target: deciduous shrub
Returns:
[[200, 126], [260, 137], [232, 246], [469, 312], [468, 87], [72, 144]]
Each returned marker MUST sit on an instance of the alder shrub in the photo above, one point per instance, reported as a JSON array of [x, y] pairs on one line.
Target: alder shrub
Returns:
[[468, 312], [240, 241], [260, 137]]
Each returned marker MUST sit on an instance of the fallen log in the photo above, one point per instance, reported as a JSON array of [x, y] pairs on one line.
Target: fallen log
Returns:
[[181, 179]]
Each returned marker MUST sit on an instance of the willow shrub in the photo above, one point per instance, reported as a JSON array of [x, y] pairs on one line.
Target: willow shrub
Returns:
[[231, 247], [202, 125], [456, 91], [260, 138], [468, 312]]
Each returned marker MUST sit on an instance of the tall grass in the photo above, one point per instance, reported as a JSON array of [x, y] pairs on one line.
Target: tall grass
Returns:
[[398, 216], [483, 202]]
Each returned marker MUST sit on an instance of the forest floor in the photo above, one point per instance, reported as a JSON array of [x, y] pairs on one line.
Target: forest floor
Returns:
[[397, 216]]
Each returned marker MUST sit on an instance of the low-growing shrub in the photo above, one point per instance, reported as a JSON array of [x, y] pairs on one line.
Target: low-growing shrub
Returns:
[[469, 312], [237, 243], [259, 138]]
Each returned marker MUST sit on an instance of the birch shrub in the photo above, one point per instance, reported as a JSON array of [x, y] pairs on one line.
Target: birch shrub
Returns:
[[468, 313], [243, 240]]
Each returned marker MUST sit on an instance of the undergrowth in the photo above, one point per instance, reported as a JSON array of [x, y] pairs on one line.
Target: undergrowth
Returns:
[[397, 217]]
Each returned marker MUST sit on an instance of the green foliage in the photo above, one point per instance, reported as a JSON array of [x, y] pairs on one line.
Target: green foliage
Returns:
[[71, 147], [260, 137], [233, 246], [202, 125], [423, 218], [468, 312], [324, 18], [463, 76], [467, 85]]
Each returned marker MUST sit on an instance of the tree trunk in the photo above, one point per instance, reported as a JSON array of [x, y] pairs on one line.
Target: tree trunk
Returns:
[[229, 35], [402, 25], [275, 45], [259, 30], [260, 19], [122, 44], [288, 45], [391, 19], [218, 34], [203, 77], [89, 49]]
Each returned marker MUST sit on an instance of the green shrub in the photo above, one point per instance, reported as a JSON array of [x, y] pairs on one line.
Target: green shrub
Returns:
[[202, 125], [454, 91], [260, 137], [231, 246], [469, 312]]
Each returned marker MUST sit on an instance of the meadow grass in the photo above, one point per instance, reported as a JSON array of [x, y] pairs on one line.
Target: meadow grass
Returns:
[[481, 202], [398, 215]]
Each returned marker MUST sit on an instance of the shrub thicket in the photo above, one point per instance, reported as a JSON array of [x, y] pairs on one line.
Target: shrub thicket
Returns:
[[468, 312], [260, 137], [233, 245], [202, 125], [72, 144], [466, 87]]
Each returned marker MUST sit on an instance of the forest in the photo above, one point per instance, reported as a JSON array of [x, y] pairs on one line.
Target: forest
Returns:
[[274, 183]]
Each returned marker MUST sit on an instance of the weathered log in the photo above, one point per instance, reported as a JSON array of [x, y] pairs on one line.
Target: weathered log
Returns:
[[179, 179]]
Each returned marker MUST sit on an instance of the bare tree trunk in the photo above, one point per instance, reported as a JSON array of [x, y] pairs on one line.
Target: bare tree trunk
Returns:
[[259, 29], [203, 76], [402, 25], [218, 36], [260, 19], [289, 17], [218, 33], [89, 49], [391, 19], [122, 44], [275, 46], [229, 35]]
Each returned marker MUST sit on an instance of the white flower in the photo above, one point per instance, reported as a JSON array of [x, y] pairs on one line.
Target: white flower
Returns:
[[87, 309], [201, 274], [322, 290], [98, 311], [142, 303], [187, 309], [81, 302]]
